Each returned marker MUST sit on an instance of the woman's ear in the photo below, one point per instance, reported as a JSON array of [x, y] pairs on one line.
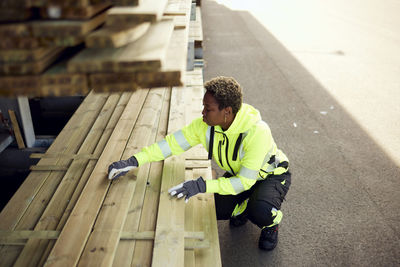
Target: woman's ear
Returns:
[[228, 111]]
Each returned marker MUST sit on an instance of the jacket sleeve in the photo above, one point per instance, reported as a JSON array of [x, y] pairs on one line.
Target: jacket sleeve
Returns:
[[256, 149], [173, 144]]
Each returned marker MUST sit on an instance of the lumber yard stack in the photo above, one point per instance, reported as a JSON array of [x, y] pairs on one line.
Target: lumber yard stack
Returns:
[[57, 47], [67, 213]]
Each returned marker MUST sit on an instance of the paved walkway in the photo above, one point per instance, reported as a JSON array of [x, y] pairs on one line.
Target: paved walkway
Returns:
[[324, 75]]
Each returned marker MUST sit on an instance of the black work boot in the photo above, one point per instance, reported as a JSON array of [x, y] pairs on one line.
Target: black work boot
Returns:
[[268, 238], [239, 220]]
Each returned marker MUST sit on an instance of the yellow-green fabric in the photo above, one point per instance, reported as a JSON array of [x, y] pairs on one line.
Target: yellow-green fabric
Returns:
[[253, 162]]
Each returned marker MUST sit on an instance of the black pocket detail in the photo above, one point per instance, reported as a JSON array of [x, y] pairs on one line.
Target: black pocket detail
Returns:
[[272, 190]]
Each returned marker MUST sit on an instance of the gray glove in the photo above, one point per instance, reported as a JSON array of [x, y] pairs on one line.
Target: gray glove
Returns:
[[121, 167], [188, 188]]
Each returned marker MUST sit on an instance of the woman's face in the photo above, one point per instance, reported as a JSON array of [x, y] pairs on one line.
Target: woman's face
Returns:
[[211, 113]]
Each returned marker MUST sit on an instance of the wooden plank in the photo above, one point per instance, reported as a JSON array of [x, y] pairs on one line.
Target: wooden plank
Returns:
[[207, 222], [32, 197], [15, 14], [81, 3], [17, 131], [83, 179], [142, 215], [27, 42], [109, 37], [8, 236], [194, 78], [62, 155], [176, 8], [15, 3], [70, 244], [34, 67], [77, 3], [143, 250], [189, 260], [9, 215], [196, 29], [147, 11], [17, 29], [72, 12], [168, 75], [146, 53], [65, 28], [110, 221], [118, 2], [65, 41], [170, 218], [48, 168], [55, 81], [26, 234], [190, 164], [20, 55]]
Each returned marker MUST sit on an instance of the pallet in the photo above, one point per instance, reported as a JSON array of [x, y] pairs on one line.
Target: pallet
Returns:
[[78, 217]]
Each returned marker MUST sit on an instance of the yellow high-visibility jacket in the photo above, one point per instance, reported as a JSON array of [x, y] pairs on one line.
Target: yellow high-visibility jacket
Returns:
[[247, 150]]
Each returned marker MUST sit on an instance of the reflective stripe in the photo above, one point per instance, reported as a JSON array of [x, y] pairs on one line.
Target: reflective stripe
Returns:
[[241, 150], [181, 139], [166, 151], [208, 134], [247, 173], [239, 209], [237, 184]]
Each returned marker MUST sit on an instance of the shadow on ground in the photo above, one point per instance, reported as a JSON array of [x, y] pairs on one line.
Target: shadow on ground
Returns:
[[343, 206]]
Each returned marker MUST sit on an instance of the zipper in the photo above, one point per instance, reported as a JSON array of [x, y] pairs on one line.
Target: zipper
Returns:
[[219, 153], [226, 152], [226, 155]]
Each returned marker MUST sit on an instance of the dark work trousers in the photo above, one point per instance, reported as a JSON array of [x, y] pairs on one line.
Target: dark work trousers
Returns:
[[263, 196]]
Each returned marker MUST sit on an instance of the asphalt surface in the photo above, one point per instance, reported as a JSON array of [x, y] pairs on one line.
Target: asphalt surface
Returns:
[[325, 77]]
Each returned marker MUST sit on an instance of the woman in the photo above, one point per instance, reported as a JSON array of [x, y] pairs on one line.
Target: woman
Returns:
[[256, 178]]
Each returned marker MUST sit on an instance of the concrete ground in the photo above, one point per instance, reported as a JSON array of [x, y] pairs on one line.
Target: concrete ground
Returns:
[[325, 76]]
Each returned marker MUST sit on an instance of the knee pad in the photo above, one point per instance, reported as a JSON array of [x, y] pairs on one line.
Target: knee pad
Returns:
[[263, 214]]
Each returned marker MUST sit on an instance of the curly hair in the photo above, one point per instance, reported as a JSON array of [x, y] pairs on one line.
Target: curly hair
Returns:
[[227, 91]]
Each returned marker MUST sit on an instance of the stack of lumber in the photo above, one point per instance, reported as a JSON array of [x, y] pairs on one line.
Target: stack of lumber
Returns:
[[71, 47], [68, 213]]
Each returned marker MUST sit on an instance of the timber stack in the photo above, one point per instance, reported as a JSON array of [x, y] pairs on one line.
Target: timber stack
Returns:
[[67, 213], [58, 47]]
